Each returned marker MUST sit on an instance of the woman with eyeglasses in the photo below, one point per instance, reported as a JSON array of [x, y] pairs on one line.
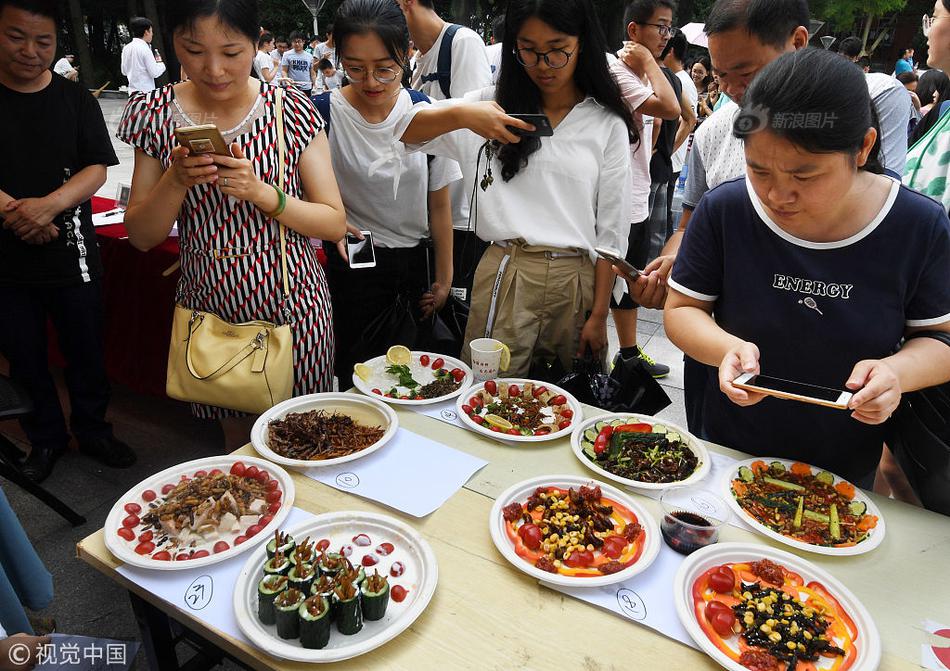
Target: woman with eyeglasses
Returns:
[[546, 203], [403, 200]]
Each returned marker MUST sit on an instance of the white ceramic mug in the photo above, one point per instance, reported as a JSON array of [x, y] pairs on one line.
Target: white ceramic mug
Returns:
[[486, 358]]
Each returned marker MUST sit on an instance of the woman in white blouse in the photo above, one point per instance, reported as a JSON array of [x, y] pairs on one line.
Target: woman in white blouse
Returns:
[[546, 203]]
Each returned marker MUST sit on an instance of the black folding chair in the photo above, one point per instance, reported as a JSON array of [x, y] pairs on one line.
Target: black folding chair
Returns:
[[14, 403]]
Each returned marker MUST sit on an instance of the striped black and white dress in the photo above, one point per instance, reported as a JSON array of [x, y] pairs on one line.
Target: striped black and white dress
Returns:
[[230, 252]]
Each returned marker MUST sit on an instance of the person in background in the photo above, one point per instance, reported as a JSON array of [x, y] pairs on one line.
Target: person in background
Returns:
[[905, 63], [708, 99], [329, 75], [494, 47], [701, 72], [297, 64], [413, 56], [50, 268], [673, 57], [467, 70], [865, 64], [910, 81], [933, 86], [24, 581], [64, 68], [326, 50], [851, 48], [229, 208], [140, 64], [281, 45], [312, 46], [264, 66]]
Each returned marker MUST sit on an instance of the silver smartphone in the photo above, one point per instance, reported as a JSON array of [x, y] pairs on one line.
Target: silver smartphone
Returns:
[[362, 254], [618, 261], [795, 391]]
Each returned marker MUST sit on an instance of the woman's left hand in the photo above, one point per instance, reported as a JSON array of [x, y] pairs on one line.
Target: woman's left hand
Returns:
[[236, 176], [593, 336], [880, 391], [434, 299]]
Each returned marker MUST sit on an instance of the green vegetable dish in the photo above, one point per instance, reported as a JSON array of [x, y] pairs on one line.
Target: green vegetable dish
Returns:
[[649, 453]]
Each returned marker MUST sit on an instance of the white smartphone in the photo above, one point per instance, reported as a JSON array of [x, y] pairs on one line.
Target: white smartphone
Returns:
[[618, 261], [795, 391], [361, 252]]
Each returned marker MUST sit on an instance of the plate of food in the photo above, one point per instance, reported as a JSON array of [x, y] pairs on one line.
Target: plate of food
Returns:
[[640, 451], [755, 607], [334, 587], [519, 410], [803, 506], [199, 513], [569, 530], [403, 377], [323, 429]]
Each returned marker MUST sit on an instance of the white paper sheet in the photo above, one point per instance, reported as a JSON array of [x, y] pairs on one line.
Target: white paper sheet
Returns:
[[207, 592], [444, 411], [410, 473], [935, 652], [108, 218], [646, 599]]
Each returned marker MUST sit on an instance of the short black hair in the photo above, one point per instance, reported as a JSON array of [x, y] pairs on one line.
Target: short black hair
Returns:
[[380, 17], [264, 39], [241, 15], [47, 8], [640, 11], [907, 77], [851, 47], [280, 39], [676, 46], [297, 35], [772, 22], [139, 25], [324, 64]]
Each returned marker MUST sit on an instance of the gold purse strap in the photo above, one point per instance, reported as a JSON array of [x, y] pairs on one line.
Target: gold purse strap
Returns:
[[281, 150]]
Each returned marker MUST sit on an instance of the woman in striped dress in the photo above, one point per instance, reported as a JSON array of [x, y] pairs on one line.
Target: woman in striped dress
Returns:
[[228, 208]]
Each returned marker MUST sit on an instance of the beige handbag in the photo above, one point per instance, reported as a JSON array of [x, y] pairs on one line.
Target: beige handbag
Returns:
[[247, 367]]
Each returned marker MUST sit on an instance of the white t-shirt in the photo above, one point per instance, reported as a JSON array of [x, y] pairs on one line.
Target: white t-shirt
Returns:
[[397, 220], [323, 51], [334, 82], [63, 67], [574, 192], [493, 52], [299, 67], [264, 61], [689, 88], [139, 65], [635, 92]]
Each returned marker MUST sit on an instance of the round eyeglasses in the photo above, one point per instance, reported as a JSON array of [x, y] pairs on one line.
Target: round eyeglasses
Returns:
[[382, 75], [928, 22], [663, 29], [555, 58]]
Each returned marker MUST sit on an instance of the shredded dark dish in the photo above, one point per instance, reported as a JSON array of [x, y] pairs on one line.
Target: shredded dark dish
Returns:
[[317, 435]]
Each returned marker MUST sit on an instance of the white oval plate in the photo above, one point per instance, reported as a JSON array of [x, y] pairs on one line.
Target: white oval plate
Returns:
[[694, 444], [367, 411], [868, 642], [125, 550], [554, 435], [875, 538], [522, 490], [420, 578], [383, 381]]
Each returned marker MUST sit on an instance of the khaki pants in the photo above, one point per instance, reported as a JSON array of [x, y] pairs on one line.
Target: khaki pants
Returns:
[[533, 301]]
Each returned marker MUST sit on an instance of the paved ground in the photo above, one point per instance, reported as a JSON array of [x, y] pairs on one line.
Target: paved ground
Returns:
[[163, 434]]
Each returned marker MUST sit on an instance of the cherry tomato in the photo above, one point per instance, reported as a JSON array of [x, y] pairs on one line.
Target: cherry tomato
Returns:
[[438, 363], [467, 409], [613, 546], [274, 507], [417, 398], [146, 536], [265, 520], [200, 553], [215, 471], [167, 488], [145, 548], [133, 508], [251, 472], [563, 424], [148, 496], [252, 531], [720, 617], [513, 432], [238, 468], [714, 606], [378, 392], [126, 533], [475, 402], [538, 391], [131, 521], [274, 496], [581, 559], [272, 485], [458, 374], [542, 431], [424, 359], [162, 555], [323, 544], [182, 556], [221, 546], [558, 400], [722, 580], [262, 477], [242, 539], [495, 429], [491, 387], [388, 395], [478, 419], [369, 560], [567, 413], [398, 593], [600, 443], [514, 391], [201, 474], [530, 535]]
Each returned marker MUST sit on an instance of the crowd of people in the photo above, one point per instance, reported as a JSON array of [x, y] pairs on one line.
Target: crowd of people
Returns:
[[799, 251]]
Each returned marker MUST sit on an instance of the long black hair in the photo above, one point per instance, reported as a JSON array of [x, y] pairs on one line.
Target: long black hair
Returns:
[[816, 100], [383, 17], [930, 82], [241, 15], [516, 93]]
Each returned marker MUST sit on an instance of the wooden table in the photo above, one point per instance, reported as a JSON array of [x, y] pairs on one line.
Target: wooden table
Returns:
[[487, 615]]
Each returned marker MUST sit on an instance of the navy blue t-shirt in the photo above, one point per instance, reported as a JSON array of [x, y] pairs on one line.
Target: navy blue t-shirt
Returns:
[[814, 310]]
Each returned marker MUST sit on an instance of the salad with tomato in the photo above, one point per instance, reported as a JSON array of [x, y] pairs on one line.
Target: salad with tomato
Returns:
[[574, 532], [410, 376], [519, 409], [651, 453], [765, 617]]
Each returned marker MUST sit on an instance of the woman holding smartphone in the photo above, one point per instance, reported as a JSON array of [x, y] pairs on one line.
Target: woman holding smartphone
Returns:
[[812, 269], [402, 201], [228, 207], [545, 203]]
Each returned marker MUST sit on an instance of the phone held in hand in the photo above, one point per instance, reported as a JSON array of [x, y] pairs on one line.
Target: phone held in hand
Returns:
[[361, 253], [618, 261], [541, 123], [795, 391], [204, 139]]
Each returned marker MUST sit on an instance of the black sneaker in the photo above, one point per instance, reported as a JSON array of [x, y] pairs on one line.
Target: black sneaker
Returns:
[[110, 451], [657, 370], [39, 464]]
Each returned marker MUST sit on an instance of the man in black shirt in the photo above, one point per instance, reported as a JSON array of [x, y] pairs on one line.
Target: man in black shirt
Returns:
[[56, 151]]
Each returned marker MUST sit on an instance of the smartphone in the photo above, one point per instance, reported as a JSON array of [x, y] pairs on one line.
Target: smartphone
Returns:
[[618, 261], [205, 139], [541, 123], [361, 252], [795, 391]]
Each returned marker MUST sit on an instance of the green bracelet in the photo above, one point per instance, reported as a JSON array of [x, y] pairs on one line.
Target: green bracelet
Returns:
[[281, 204]]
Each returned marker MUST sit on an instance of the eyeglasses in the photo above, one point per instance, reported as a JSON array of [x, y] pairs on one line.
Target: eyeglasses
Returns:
[[555, 58], [928, 22], [663, 29], [382, 75]]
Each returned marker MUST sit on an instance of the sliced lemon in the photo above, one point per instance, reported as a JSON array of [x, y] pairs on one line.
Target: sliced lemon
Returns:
[[500, 422], [399, 355], [505, 357], [363, 371]]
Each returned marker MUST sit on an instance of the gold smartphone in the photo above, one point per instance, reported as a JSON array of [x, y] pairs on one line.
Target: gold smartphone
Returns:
[[204, 139]]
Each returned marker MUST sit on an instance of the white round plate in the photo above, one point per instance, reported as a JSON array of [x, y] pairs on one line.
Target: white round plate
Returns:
[[125, 550], [554, 435], [694, 444], [868, 642], [521, 491], [420, 578], [366, 411], [875, 537], [383, 381]]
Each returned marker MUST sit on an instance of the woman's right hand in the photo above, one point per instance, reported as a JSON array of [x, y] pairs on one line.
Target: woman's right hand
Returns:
[[489, 120], [743, 358], [341, 243], [191, 170]]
